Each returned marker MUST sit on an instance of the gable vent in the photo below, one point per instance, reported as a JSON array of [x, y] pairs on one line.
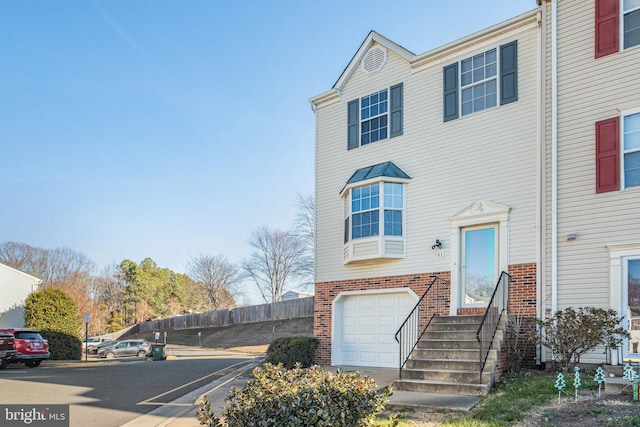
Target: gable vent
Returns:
[[374, 60]]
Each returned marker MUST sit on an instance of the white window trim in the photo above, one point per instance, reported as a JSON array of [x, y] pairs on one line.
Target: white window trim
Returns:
[[496, 227], [621, 20], [623, 114], [496, 77], [381, 238], [478, 213], [387, 113], [617, 252]]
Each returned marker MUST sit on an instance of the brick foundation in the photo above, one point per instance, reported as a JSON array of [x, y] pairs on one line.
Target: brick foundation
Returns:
[[522, 309], [522, 299], [326, 292]]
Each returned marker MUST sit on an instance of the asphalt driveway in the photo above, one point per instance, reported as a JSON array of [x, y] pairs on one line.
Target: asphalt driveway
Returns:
[[111, 393]]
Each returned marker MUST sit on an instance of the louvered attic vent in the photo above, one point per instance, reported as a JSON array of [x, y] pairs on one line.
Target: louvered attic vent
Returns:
[[374, 60]]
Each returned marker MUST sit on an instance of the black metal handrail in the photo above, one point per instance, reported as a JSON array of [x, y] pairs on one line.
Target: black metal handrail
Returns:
[[408, 334], [491, 319]]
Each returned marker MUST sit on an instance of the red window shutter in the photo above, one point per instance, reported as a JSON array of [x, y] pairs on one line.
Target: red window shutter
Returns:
[[607, 27], [608, 155]]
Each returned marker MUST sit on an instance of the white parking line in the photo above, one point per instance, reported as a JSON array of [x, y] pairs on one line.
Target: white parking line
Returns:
[[150, 401]]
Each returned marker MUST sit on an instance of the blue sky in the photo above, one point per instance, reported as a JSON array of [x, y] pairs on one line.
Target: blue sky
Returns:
[[166, 129]]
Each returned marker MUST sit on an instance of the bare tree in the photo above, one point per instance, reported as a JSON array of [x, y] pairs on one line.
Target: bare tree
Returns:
[[62, 268], [219, 277], [56, 267], [305, 231], [277, 259], [106, 292]]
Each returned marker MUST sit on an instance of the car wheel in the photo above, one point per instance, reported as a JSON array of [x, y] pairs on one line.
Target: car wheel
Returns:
[[3, 363], [142, 353], [32, 363], [109, 355]]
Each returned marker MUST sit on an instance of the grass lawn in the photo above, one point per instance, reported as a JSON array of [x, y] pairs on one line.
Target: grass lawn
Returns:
[[507, 403]]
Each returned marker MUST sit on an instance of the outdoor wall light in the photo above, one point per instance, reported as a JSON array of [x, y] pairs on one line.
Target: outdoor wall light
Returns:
[[572, 236], [438, 245]]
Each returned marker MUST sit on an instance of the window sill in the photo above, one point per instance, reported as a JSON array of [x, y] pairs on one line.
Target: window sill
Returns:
[[372, 248]]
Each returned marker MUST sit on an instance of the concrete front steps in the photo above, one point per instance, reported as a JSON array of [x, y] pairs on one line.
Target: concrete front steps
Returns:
[[447, 359]]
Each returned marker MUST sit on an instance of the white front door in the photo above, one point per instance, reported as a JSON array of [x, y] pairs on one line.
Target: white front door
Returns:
[[479, 264]]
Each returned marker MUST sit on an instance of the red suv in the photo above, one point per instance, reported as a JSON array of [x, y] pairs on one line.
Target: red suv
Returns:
[[31, 348]]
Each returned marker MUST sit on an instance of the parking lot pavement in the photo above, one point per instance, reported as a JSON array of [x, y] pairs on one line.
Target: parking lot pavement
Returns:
[[182, 411]]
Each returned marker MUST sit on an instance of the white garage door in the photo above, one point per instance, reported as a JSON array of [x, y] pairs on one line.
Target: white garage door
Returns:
[[366, 327]]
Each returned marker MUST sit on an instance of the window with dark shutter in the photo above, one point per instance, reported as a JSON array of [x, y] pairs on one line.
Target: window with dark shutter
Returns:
[[395, 110], [450, 76], [353, 122], [608, 155], [509, 72], [607, 27]]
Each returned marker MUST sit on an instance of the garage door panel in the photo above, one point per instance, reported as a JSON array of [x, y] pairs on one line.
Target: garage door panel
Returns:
[[350, 357], [388, 358], [368, 321], [368, 339], [350, 339], [387, 339], [387, 302], [389, 321], [367, 302]]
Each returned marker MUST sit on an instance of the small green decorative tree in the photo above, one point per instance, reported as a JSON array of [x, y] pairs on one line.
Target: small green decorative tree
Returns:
[[570, 333], [55, 315], [599, 378], [576, 384], [560, 384], [630, 373]]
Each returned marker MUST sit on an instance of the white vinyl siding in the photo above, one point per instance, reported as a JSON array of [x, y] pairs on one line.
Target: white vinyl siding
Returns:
[[451, 167], [584, 99]]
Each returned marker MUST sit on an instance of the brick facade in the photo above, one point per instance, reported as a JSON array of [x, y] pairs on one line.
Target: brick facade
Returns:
[[522, 298], [522, 311]]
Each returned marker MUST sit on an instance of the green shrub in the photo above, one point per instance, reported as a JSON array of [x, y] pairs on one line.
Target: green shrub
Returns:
[[300, 397], [55, 315], [570, 333], [291, 350], [63, 346]]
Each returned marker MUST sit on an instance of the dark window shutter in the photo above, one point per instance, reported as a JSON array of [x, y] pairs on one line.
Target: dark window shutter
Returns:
[[346, 229], [608, 155], [396, 110], [450, 73], [509, 72], [607, 27], [353, 123]]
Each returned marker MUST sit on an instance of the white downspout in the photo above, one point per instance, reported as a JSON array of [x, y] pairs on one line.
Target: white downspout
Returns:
[[554, 156], [541, 170]]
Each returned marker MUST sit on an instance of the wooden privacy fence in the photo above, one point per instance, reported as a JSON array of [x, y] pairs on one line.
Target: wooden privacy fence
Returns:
[[302, 307]]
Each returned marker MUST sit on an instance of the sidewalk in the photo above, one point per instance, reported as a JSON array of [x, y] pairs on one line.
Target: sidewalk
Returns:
[[182, 412]]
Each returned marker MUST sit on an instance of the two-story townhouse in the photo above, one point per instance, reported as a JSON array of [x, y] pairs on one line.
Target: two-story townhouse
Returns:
[[592, 235], [427, 165]]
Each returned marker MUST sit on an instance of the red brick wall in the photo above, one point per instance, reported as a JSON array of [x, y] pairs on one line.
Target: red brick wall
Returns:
[[522, 299], [326, 292], [522, 304]]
